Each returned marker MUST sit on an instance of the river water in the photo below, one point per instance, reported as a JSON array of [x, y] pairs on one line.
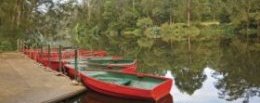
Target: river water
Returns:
[[209, 72]]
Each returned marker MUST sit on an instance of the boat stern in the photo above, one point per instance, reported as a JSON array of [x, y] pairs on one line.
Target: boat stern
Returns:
[[162, 90]]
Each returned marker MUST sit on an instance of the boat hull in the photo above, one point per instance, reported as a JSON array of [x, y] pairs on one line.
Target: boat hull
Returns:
[[71, 72], [126, 92]]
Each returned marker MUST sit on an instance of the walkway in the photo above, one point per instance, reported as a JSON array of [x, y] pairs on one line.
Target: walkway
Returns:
[[22, 80]]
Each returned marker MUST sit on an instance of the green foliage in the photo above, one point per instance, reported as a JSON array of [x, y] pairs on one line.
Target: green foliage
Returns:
[[145, 42], [210, 32], [191, 31], [137, 32], [172, 32], [150, 20], [178, 31], [6, 45], [152, 32], [144, 23]]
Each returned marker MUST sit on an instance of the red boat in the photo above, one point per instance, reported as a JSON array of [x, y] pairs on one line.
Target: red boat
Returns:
[[112, 62], [70, 68], [127, 85], [32, 53], [66, 53], [65, 57]]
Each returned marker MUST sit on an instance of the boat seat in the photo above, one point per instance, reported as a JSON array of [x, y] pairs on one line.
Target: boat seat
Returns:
[[125, 82], [95, 74], [118, 81]]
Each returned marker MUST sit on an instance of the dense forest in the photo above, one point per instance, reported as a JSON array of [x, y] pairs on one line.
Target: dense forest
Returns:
[[143, 23]]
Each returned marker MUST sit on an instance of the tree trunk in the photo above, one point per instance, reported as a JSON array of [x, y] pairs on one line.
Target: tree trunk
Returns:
[[189, 43], [18, 9], [188, 12], [214, 16], [171, 10], [13, 15], [248, 20], [190, 60], [89, 10], [170, 19], [171, 43], [133, 4], [258, 30], [188, 22]]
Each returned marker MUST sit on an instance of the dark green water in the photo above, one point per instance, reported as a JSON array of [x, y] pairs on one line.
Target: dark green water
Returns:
[[210, 72]]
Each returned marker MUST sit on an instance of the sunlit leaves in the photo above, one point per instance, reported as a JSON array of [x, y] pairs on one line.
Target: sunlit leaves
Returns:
[[174, 32], [137, 32], [144, 23], [152, 32], [178, 32], [145, 42], [192, 31]]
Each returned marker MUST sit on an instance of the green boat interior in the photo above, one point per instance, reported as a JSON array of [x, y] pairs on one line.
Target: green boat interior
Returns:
[[72, 61], [101, 60], [111, 61], [141, 82], [85, 67]]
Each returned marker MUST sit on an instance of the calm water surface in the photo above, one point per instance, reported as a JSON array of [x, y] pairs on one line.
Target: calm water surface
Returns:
[[208, 73]]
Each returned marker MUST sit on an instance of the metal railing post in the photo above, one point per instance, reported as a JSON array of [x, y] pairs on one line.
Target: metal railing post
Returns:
[[23, 46], [17, 45], [41, 53], [35, 51], [60, 58], [30, 51], [49, 55], [76, 65]]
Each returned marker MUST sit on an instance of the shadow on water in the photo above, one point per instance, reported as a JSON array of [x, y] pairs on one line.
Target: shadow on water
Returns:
[[209, 72], [94, 97]]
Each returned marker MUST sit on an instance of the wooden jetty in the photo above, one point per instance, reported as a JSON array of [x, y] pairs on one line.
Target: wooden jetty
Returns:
[[23, 80]]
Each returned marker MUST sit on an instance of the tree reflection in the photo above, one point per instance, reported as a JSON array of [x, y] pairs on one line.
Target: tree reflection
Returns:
[[153, 61], [189, 68], [239, 67], [188, 81]]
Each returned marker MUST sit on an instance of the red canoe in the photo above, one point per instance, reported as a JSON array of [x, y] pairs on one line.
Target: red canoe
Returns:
[[66, 56], [112, 62], [66, 53], [70, 69], [127, 85]]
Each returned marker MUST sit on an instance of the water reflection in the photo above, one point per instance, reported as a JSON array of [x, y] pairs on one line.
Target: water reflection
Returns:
[[208, 93], [94, 97], [240, 71], [209, 73]]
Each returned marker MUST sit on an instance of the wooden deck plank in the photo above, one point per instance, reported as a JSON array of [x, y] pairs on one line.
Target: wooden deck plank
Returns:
[[22, 80]]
